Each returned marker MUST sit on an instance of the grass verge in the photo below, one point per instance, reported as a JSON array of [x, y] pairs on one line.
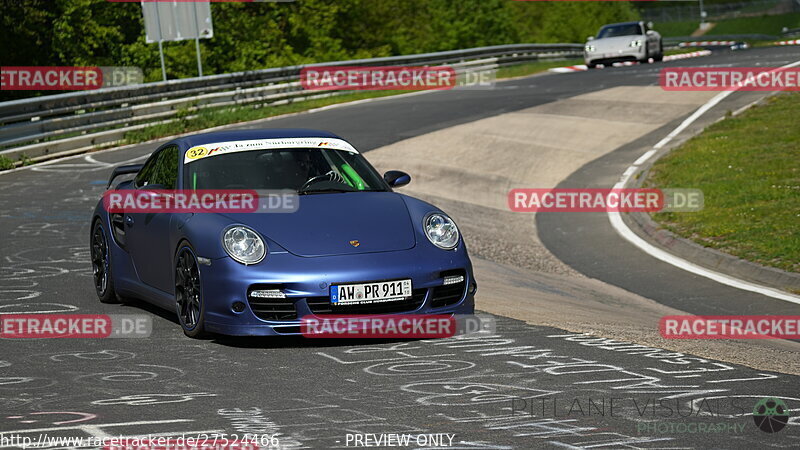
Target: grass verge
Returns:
[[8, 163], [748, 167], [771, 25], [758, 25], [676, 29]]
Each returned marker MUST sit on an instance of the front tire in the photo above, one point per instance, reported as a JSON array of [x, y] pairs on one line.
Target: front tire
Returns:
[[101, 265], [189, 293], [660, 55]]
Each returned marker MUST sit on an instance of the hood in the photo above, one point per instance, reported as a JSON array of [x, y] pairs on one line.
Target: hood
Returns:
[[613, 44], [325, 224]]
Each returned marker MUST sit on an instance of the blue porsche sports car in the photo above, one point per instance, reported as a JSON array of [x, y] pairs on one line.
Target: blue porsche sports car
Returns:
[[351, 246]]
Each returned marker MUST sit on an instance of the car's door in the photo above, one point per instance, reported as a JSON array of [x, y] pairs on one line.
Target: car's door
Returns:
[[652, 39], [148, 233]]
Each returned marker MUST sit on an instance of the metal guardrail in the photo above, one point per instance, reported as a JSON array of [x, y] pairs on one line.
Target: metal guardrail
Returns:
[[40, 127]]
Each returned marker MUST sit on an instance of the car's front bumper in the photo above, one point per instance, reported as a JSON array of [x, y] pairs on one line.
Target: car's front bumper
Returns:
[[306, 283], [607, 56]]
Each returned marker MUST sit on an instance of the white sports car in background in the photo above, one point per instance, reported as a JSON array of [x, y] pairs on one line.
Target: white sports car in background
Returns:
[[618, 42]]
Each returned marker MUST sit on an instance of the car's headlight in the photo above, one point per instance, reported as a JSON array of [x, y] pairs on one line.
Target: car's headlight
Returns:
[[441, 231], [244, 245], [636, 43], [590, 48]]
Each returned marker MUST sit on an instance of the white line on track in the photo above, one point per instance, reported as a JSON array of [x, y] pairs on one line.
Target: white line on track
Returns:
[[622, 229]]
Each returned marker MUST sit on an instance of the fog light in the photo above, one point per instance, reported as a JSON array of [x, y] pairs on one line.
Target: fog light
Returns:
[[472, 288], [237, 307], [453, 279], [268, 293]]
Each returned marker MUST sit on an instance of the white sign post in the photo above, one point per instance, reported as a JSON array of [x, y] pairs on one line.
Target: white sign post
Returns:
[[177, 21]]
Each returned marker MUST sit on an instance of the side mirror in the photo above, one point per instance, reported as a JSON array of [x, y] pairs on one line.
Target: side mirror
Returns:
[[396, 178], [590, 38]]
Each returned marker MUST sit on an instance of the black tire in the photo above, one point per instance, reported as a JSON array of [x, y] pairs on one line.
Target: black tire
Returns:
[[591, 65], [189, 293], [660, 55], [646, 59], [101, 265]]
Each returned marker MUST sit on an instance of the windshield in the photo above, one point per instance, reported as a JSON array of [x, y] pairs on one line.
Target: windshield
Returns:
[[629, 29], [305, 170]]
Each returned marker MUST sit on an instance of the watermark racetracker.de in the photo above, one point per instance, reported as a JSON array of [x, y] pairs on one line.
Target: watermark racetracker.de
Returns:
[[200, 201], [729, 79], [405, 326], [730, 327], [67, 78], [414, 78], [605, 200], [85, 326]]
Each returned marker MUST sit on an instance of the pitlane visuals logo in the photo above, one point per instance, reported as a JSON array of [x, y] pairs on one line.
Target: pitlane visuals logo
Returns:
[[770, 414]]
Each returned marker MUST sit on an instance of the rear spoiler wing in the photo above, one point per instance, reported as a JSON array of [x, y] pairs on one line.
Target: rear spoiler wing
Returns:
[[124, 170]]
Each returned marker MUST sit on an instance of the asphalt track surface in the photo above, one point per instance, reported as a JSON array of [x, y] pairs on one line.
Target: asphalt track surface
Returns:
[[512, 389]]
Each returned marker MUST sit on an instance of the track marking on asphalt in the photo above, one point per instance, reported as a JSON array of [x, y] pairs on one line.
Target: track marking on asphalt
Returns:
[[91, 164], [116, 424], [622, 229]]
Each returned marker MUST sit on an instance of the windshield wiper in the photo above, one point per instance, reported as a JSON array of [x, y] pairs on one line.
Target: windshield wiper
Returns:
[[323, 191], [336, 190]]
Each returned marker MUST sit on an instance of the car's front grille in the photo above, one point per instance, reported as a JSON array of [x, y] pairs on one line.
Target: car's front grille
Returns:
[[271, 308], [279, 309], [449, 294], [294, 329], [322, 305]]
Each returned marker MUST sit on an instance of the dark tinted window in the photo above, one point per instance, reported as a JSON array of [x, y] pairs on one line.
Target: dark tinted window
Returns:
[[161, 169], [284, 169], [145, 176], [166, 169], [629, 29]]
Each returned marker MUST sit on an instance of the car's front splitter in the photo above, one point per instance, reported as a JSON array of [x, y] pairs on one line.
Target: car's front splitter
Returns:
[[607, 58]]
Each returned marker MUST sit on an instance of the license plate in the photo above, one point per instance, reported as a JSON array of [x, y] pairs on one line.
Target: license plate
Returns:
[[384, 291]]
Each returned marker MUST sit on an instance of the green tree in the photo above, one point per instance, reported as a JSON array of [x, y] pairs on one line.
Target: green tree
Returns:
[[251, 36]]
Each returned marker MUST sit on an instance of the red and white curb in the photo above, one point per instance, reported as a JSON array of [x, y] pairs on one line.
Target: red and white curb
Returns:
[[567, 69], [727, 43], [706, 44], [583, 67], [687, 55]]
